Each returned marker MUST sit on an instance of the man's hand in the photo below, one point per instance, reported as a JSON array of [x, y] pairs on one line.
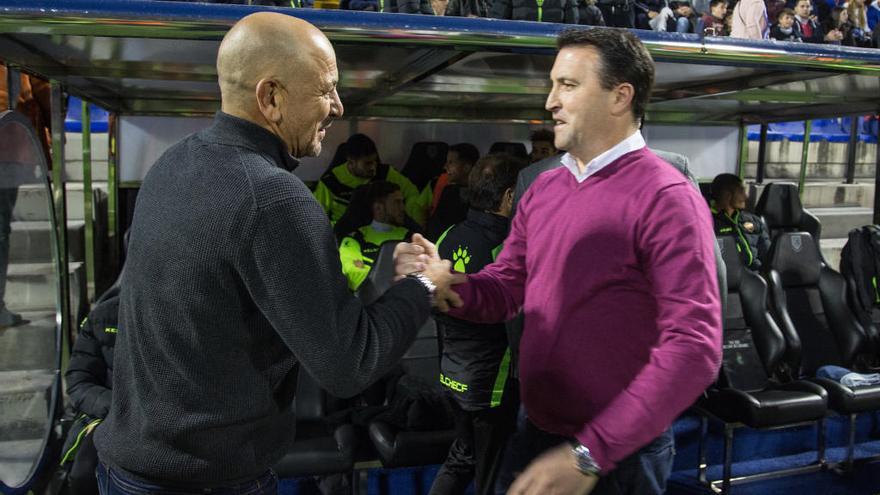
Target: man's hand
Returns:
[[409, 258], [441, 274], [554, 472], [652, 14]]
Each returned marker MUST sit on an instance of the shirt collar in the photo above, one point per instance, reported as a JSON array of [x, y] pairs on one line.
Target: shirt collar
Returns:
[[632, 143], [228, 129], [381, 227]]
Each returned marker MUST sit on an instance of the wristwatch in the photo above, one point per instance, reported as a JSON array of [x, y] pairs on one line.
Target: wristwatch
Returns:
[[429, 286], [585, 462]]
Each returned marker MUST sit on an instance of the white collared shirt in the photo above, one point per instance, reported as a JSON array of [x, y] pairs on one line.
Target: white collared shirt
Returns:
[[632, 143]]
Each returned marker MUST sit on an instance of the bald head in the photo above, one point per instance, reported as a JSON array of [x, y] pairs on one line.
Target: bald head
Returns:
[[268, 65]]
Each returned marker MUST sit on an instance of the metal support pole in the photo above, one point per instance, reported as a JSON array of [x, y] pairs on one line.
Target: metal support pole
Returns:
[[113, 194], [851, 443], [701, 461], [59, 198], [877, 180], [743, 156], [762, 155], [728, 459], [851, 149], [87, 200], [820, 441], [13, 85], [805, 153]]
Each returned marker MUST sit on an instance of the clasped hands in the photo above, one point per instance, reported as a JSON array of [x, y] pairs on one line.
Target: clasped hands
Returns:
[[421, 255]]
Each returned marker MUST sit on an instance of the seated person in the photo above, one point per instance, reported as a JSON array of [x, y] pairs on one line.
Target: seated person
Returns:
[[783, 30], [589, 15], [730, 219], [358, 250], [89, 381], [475, 361], [713, 22], [677, 17], [450, 206], [807, 26], [362, 166], [559, 11], [542, 145]]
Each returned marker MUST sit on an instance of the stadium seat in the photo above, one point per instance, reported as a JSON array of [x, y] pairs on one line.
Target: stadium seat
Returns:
[[73, 121], [426, 161], [781, 210], [809, 302], [752, 389]]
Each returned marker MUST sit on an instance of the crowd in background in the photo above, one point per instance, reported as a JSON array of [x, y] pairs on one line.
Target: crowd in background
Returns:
[[839, 22]]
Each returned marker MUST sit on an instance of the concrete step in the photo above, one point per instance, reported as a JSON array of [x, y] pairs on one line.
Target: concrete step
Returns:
[[29, 346], [831, 249], [31, 242], [33, 286], [824, 159], [32, 206], [73, 156], [25, 397], [837, 222], [829, 194]]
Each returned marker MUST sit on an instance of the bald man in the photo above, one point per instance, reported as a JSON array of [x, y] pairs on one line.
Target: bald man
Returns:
[[233, 283]]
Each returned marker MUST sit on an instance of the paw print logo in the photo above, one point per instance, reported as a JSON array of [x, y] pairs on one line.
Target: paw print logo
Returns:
[[461, 258]]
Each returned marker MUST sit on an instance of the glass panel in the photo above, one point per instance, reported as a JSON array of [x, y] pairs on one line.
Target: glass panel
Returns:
[[28, 302]]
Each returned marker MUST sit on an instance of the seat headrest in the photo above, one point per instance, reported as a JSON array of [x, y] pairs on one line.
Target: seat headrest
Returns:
[[780, 205], [732, 262], [515, 149], [796, 258]]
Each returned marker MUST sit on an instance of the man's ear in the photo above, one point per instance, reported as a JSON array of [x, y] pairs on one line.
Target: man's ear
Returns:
[[623, 96], [269, 99]]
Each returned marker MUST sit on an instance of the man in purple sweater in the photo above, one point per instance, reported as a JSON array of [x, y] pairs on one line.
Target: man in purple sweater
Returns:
[[611, 259]]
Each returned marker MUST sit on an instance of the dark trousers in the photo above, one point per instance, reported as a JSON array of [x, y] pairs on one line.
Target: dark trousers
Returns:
[[81, 478], [114, 482], [475, 455], [643, 473]]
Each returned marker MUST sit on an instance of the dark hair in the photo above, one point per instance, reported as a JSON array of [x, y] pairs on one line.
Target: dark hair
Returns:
[[723, 183], [716, 2], [491, 176], [466, 152], [782, 13], [380, 190], [359, 146], [624, 60], [542, 135]]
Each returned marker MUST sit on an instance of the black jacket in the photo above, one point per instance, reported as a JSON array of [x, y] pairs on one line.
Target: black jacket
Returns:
[[90, 371], [589, 15], [452, 208], [408, 6], [747, 229], [464, 8], [233, 280], [777, 34], [817, 36], [475, 360], [559, 11]]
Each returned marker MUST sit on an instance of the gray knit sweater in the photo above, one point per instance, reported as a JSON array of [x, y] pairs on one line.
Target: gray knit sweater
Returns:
[[232, 281]]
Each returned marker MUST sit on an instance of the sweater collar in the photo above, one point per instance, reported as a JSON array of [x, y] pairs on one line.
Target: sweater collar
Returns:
[[228, 129]]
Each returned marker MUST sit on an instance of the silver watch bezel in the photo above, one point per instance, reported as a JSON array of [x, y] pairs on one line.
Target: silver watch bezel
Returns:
[[585, 462]]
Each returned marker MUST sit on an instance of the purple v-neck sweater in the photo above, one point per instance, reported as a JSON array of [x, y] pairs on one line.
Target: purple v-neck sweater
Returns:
[[616, 277]]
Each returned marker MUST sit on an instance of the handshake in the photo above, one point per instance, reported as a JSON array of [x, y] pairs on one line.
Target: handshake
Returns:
[[420, 256]]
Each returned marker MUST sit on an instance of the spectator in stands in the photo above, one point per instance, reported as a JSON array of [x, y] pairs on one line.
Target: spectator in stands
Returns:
[[749, 20], [860, 33], [730, 218], [232, 281], [774, 7], [807, 26], [652, 292], [468, 8], [362, 166], [713, 22], [677, 16], [542, 145], [559, 11], [475, 363], [406, 6], [873, 16], [589, 14], [359, 249], [783, 30], [647, 11], [618, 13], [89, 380], [451, 201]]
